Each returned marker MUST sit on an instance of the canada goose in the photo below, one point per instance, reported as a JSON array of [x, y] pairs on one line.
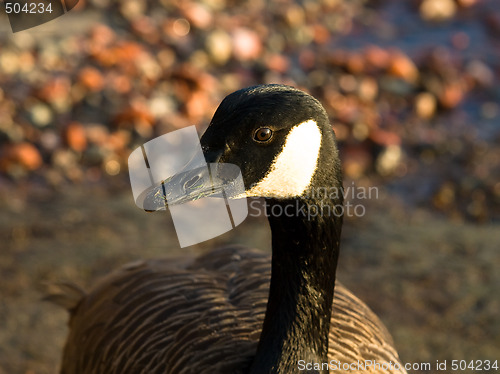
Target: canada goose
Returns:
[[220, 314]]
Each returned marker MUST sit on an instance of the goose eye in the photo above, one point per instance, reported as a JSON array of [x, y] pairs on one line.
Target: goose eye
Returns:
[[263, 134]]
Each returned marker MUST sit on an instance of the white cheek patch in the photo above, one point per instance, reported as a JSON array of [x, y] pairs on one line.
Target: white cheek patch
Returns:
[[293, 169]]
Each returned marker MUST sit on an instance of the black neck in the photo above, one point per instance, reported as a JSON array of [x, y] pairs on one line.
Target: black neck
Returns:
[[304, 261]]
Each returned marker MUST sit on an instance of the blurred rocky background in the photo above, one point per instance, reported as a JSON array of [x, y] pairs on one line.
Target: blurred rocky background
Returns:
[[413, 91]]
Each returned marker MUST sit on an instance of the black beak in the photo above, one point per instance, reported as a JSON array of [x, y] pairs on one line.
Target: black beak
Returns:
[[213, 179]]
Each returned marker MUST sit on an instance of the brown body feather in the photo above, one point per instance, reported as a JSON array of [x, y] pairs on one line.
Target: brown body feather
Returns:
[[206, 318]]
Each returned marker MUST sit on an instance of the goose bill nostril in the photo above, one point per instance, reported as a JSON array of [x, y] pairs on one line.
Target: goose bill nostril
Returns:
[[192, 183]]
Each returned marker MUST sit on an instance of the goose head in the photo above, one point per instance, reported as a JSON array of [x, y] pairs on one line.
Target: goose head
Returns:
[[279, 137]]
